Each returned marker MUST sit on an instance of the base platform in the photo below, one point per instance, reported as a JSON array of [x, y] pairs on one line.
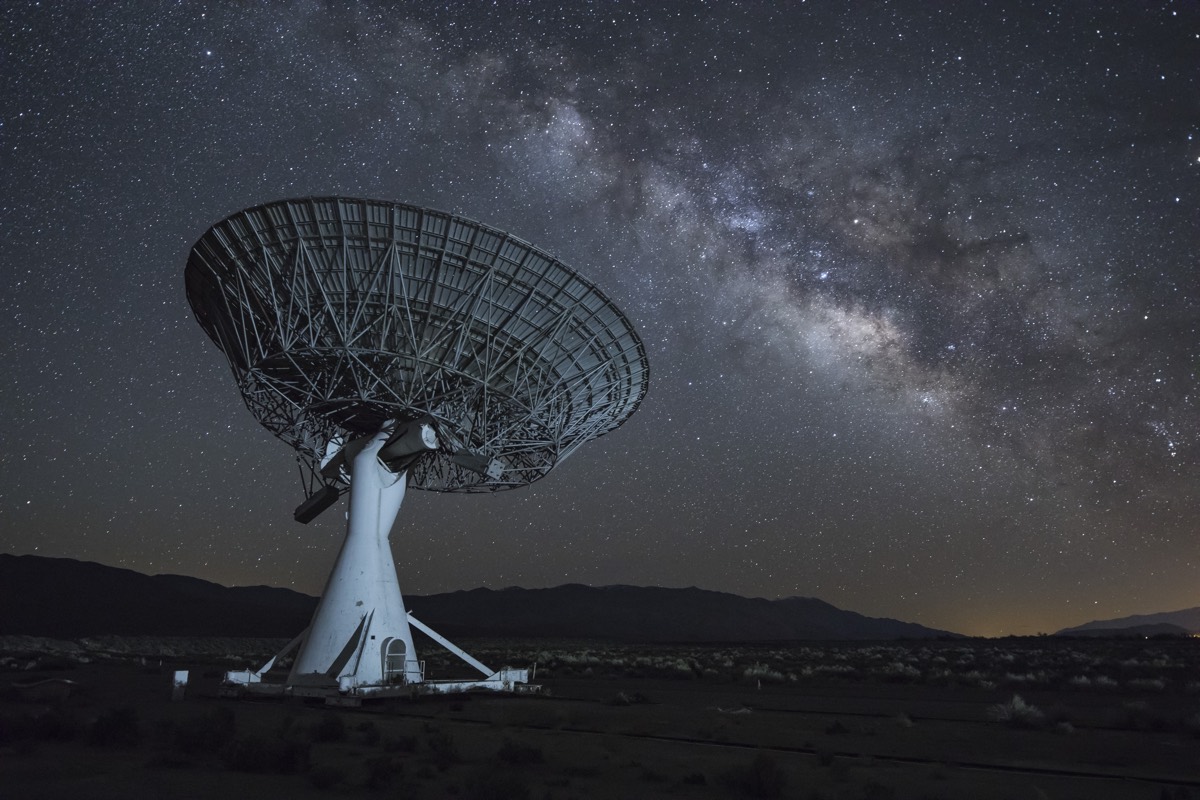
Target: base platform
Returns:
[[510, 681]]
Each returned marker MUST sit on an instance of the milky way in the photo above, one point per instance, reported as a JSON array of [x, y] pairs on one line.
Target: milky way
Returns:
[[918, 284]]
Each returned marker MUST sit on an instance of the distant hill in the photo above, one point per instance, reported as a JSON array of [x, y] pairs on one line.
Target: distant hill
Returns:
[[652, 614], [1133, 631], [1188, 620], [64, 598]]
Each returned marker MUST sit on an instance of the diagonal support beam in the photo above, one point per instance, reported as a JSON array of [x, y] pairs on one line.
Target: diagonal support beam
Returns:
[[449, 645]]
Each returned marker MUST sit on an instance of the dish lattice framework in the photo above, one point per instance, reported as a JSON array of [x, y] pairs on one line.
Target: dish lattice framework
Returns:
[[339, 314]]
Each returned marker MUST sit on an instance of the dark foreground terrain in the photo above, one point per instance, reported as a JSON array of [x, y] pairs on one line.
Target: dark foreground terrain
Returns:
[[1034, 718]]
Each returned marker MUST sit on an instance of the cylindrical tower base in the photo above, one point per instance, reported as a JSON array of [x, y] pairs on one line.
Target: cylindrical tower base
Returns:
[[360, 634]]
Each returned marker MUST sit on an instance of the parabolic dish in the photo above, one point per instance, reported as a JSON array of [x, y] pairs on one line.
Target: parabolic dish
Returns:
[[338, 315]]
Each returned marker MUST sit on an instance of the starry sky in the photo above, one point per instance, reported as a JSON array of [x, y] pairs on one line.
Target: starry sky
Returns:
[[918, 282]]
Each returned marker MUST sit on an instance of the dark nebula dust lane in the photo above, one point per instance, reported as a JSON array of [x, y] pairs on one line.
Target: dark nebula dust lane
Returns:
[[917, 283]]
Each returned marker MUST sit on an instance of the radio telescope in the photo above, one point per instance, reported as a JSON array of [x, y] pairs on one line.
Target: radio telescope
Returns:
[[395, 346]]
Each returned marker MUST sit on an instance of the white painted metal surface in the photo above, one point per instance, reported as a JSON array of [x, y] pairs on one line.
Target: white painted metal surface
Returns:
[[360, 634], [360, 641]]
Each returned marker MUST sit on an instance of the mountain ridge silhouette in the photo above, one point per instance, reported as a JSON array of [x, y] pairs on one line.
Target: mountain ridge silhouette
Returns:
[[68, 598]]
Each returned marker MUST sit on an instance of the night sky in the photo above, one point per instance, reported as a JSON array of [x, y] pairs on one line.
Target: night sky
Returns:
[[918, 282]]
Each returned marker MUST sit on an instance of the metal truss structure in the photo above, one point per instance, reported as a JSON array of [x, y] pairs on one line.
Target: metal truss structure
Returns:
[[342, 316]]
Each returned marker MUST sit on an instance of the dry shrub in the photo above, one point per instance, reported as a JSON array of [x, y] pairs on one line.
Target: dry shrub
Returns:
[[117, 727], [369, 732], [327, 776], [400, 743], [874, 790], [262, 755], [517, 754], [205, 733], [25, 730], [762, 777], [634, 699], [1137, 715], [331, 728], [1017, 713], [492, 784], [381, 770], [443, 748]]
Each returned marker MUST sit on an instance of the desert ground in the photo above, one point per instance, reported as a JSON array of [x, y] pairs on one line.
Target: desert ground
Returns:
[[1019, 718]]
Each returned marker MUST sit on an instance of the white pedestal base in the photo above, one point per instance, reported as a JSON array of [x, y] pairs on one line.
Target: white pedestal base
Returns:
[[359, 634], [360, 641]]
